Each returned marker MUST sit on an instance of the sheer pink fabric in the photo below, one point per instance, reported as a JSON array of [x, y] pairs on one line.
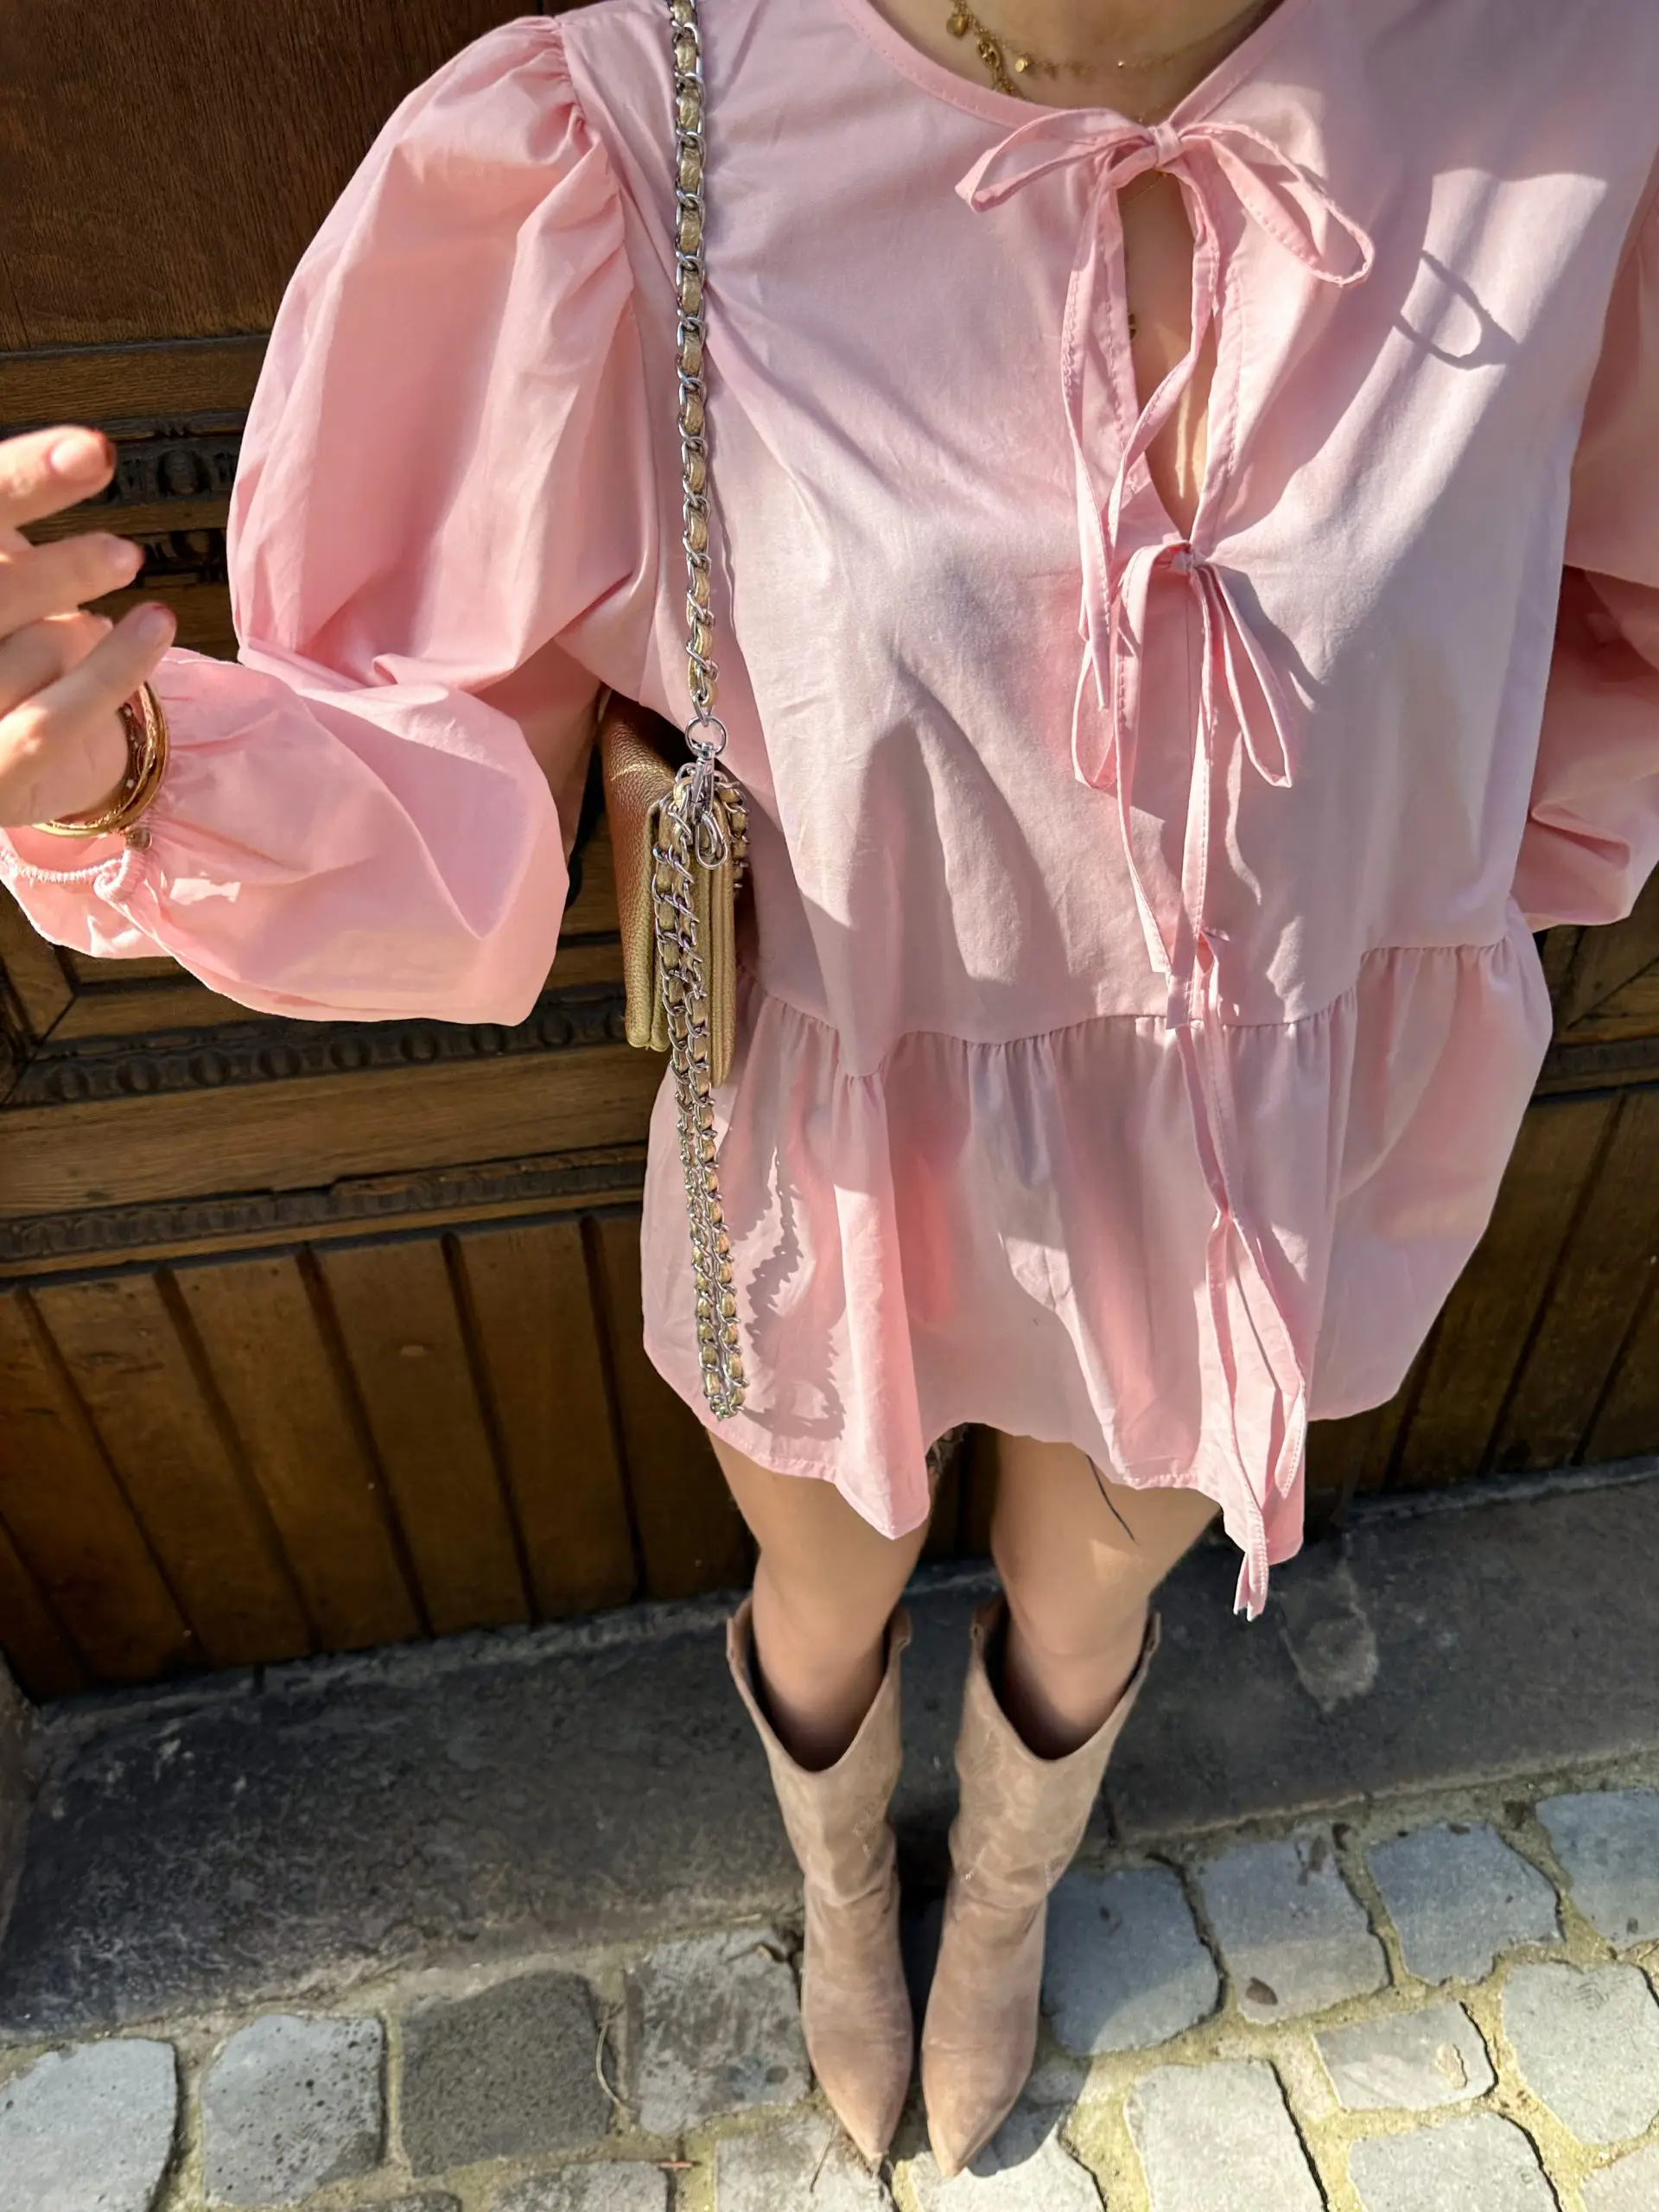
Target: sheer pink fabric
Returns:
[[1139, 1001]]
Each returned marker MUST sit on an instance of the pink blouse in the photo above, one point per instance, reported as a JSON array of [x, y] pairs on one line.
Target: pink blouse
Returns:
[[1139, 1002]]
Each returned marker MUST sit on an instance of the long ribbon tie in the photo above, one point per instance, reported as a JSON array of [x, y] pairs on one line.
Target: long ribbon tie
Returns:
[[1292, 206]]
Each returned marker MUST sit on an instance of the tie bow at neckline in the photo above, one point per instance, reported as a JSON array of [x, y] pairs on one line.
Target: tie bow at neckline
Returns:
[[1287, 201], [1290, 206]]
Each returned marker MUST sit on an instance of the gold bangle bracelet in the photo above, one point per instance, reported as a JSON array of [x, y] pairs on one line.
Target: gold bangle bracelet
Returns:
[[145, 724]]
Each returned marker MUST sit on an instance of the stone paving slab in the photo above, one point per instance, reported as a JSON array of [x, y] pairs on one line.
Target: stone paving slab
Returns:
[[1026, 2168], [290, 2104], [1125, 1968], [89, 2129], [1224, 1727], [1608, 1842], [714, 2026], [1294, 1937], [1631, 2186], [1407, 2062], [628, 2186], [1219, 2139], [505, 2073], [805, 2162], [1477, 2163], [1458, 1896], [1531, 1594], [1586, 2040], [1428, 1612]]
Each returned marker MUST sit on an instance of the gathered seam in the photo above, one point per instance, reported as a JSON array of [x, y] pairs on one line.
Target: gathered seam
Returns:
[[1142, 1020]]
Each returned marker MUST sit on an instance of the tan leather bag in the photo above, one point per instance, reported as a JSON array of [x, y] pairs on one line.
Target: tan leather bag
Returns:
[[636, 767]]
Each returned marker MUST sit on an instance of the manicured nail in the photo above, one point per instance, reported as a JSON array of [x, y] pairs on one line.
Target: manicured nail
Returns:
[[81, 453], [152, 625]]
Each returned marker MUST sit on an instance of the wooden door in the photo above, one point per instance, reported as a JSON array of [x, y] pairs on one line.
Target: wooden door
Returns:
[[321, 1335], [310, 1336]]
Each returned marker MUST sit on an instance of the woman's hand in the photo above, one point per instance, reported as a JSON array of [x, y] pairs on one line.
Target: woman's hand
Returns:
[[63, 672]]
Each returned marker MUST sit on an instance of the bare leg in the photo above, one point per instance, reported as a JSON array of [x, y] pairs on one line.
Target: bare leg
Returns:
[[1078, 1569], [825, 1587]]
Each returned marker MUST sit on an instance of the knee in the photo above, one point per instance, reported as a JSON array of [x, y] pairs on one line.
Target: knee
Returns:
[[822, 1620], [1068, 1617]]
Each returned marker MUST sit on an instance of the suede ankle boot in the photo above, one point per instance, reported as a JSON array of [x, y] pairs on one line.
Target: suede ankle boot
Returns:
[[1021, 1820], [855, 2006]]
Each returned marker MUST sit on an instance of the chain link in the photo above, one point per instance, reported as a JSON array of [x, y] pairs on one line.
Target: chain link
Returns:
[[702, 824]]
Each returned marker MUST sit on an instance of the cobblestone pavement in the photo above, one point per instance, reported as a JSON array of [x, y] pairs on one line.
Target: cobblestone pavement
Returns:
[[1441, 2006]]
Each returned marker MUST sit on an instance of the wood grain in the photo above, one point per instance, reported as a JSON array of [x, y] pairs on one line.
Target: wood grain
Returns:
[[1340, 1453], [144, 1008], [690, 1535], [1629, 1013], [302, 1438], [40, 1655], [33, 968], [204, 1522], [294, 1135], [1492, 1309], [13, 331], [538, 1344], [66, 1515], [1603, 1278], [553, 1185], [162, 179], [106, 384], [404, 1340], [202, 611], [1357, 1456], [1626, 1425], [1605, 961]]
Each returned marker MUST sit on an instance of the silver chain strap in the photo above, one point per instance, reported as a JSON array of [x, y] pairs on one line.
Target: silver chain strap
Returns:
[[703, 823]]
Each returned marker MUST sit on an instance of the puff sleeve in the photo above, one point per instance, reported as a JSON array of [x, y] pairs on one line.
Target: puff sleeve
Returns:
[[442, 542], [1593, 830]]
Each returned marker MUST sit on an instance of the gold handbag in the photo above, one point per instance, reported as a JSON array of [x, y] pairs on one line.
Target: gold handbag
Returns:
[[678, 828], [637, 767]]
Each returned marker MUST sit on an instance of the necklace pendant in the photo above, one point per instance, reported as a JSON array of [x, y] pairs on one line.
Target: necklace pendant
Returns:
[[958, 25]]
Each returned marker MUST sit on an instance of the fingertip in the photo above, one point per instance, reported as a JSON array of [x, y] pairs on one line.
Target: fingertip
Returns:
[[81, 453], [152, 626]]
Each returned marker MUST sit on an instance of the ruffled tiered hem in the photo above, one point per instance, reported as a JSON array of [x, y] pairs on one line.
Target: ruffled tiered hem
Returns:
[[1015, 1234]]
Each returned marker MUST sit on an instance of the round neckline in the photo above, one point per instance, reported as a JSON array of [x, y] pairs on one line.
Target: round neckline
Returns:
[[984, 100]]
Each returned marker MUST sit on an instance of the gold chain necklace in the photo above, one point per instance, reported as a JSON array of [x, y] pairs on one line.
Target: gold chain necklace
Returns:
[[1006, 64]]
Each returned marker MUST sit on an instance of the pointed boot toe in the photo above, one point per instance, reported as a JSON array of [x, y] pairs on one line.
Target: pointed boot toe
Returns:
[[980, 2036], [969, 2094], [962, 2119], [866, 2083], [855, 2016], [957, 2140]]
